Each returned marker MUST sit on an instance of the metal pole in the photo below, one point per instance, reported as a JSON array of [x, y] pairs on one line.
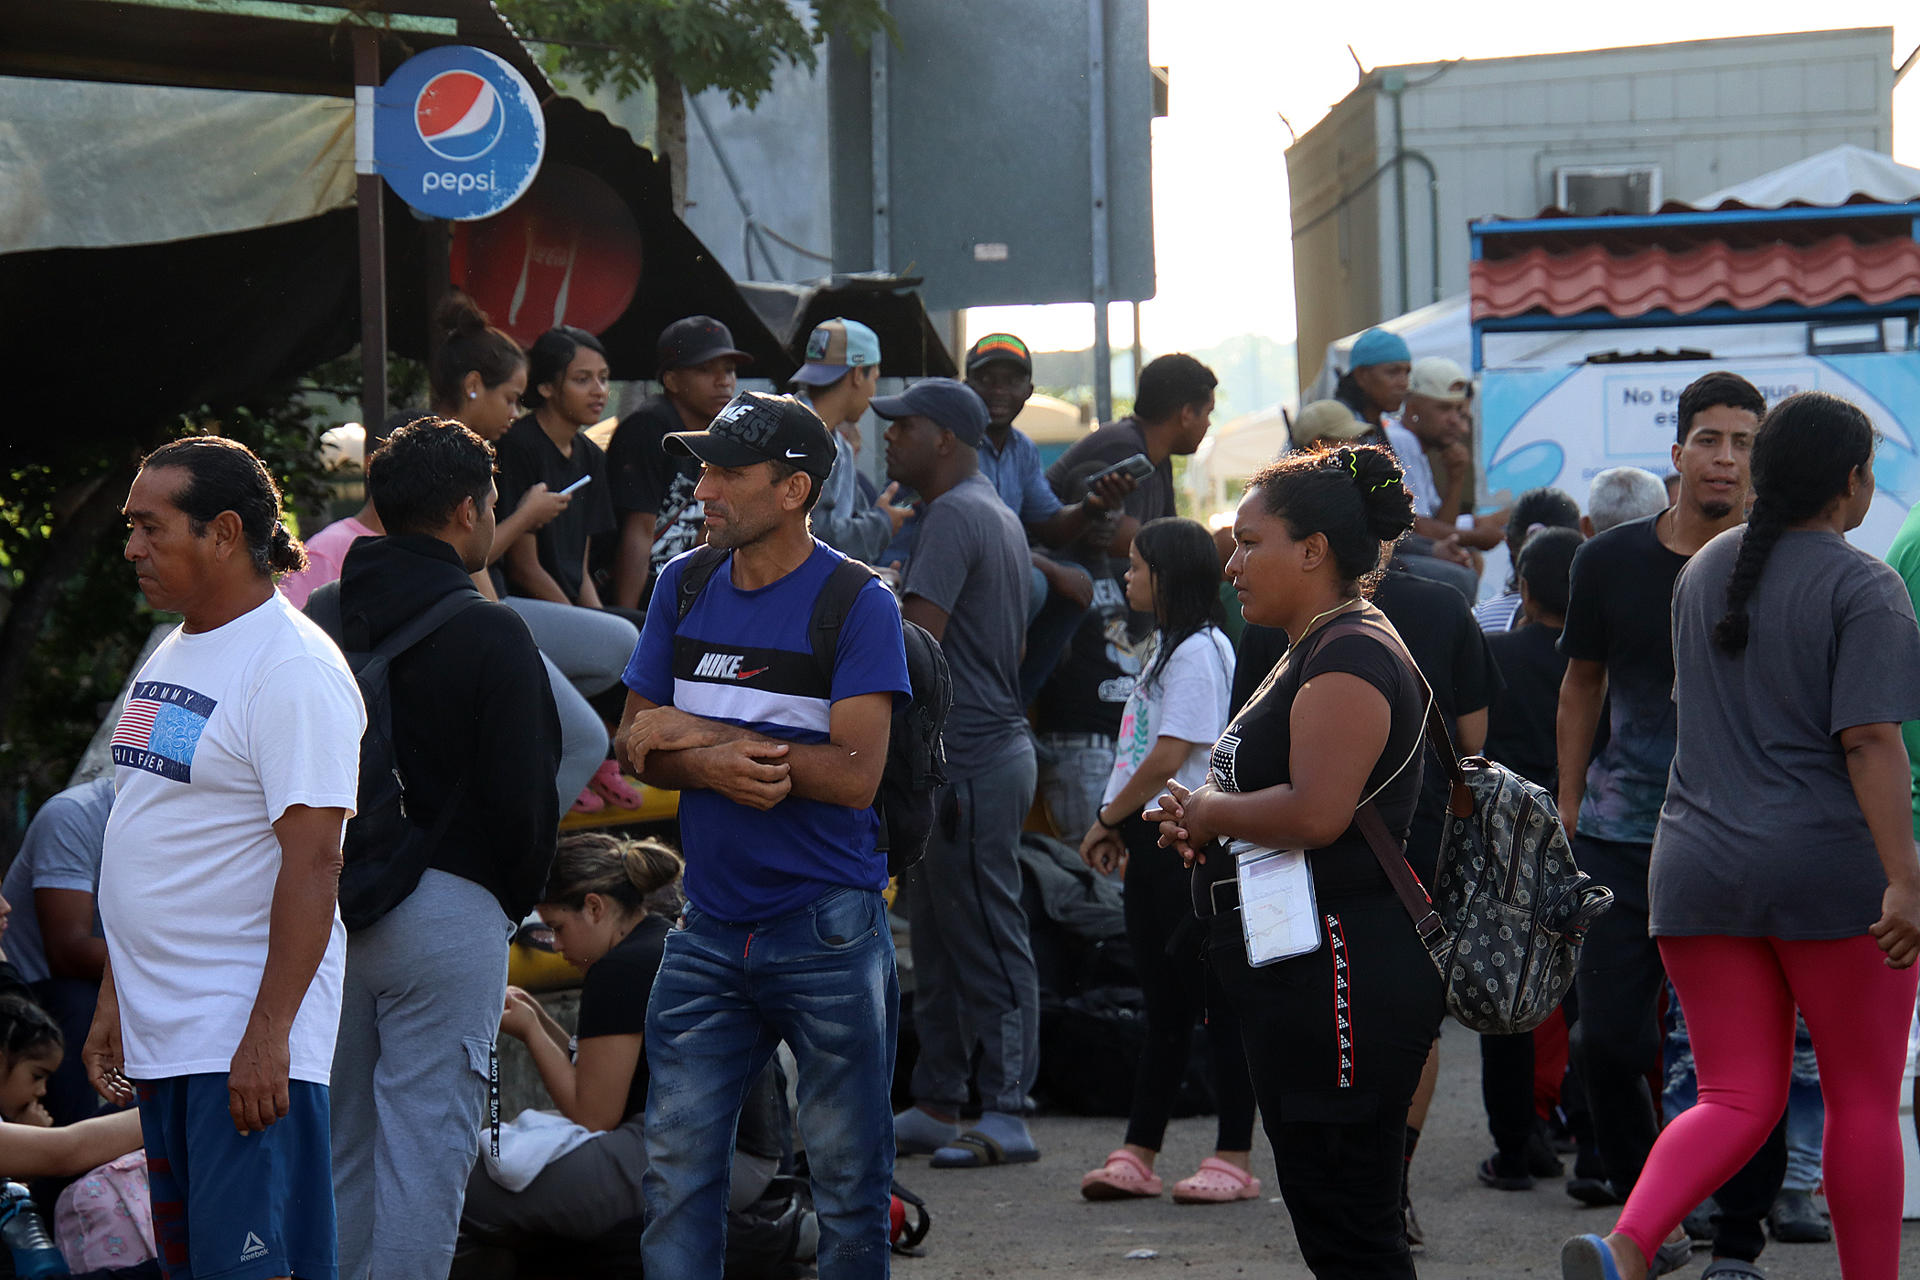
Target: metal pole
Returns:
[[1139, 355], [879, 136], [373, 239], [1097, 157]]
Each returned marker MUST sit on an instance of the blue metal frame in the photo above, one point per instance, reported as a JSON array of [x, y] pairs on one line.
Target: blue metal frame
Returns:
[[1693, 218]]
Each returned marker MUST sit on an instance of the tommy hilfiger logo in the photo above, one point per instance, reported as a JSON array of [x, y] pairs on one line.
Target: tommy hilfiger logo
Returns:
[[724, 666], [252, 1247]]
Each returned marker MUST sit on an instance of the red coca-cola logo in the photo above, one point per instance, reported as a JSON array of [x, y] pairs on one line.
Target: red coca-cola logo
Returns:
[[567, 253]]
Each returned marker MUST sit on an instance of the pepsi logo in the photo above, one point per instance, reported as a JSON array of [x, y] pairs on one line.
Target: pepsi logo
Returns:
[[459, 115]]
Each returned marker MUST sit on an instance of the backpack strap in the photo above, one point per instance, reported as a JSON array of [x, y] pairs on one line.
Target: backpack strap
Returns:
[[830, 609], [323, 609], [695, 576], [422, 625]]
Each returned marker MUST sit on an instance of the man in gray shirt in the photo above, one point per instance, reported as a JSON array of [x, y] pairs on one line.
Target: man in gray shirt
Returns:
[[974, 977], [54, 936]]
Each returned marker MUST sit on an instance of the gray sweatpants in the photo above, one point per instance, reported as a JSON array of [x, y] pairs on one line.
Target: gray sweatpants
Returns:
[[973, 974], [420, 1008]]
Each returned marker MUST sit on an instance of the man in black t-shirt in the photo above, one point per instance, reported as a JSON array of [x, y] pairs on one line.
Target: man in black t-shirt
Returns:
[[1170, 416], [653, 491]]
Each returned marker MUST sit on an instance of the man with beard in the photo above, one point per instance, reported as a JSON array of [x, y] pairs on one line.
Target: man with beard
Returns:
[[776, 761], [1618, 642], [652, 492]]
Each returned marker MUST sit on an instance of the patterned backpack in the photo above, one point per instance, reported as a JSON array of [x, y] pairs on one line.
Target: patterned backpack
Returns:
[[1512, 907]]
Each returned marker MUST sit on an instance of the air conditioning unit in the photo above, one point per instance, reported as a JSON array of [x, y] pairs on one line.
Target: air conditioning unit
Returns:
[[1596, 189]]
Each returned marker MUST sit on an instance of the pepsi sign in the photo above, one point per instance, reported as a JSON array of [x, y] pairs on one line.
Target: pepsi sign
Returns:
[[458, 133]]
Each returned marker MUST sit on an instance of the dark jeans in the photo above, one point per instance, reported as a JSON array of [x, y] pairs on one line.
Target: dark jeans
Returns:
[[1336, 1041], [1506, 1088], [1618, 1042], [1179, 987]]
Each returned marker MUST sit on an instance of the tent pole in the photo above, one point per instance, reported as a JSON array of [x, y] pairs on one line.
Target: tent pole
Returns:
[[373, 239]]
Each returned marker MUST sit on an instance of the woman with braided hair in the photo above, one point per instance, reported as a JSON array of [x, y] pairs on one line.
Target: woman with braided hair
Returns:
[[1336, 1035], [1783, 870]]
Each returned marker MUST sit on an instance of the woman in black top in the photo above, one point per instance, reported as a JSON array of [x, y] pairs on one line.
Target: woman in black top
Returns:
[[597, 902], [1335, 1038]]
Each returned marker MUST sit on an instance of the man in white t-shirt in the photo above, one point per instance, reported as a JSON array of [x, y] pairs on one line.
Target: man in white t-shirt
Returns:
[[237, 763]]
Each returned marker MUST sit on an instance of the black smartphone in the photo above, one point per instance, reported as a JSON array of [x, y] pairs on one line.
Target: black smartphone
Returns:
[[1137, 466]]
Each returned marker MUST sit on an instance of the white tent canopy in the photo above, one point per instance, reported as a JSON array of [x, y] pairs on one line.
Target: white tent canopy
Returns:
[[87, 165], [1828, 178]]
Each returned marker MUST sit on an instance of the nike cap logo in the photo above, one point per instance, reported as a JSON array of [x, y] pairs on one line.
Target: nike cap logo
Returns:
[[796, 453]]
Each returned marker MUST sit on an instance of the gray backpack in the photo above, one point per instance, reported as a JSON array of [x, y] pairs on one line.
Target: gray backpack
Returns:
[[1512, 907]]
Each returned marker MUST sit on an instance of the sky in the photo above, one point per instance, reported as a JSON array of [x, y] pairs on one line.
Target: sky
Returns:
[[1236, 67]]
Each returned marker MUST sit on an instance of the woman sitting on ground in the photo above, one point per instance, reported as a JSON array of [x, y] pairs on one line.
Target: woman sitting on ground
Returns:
[[596, 902]]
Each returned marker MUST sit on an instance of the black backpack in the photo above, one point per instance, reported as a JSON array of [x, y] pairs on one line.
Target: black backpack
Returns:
[[385, 852], [916, 757]]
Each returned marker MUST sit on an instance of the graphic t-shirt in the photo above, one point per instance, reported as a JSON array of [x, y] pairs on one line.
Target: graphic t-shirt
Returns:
[[527, 457], [1190, 701], [745, 658], [614, 992], [1761, 835], [61, 851], [1619, 609], [644, 477], [1088, 688], [224, 731]]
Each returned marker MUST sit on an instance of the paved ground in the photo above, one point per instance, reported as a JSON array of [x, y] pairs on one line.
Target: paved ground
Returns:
[[1029, 1220]]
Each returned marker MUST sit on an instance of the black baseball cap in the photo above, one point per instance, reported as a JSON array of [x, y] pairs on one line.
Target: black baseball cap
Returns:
[[696, 340], [953, 406], [999, 346], [759, 427]]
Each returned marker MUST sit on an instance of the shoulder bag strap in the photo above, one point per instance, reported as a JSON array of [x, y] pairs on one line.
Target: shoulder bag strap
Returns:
[[1386, 850]]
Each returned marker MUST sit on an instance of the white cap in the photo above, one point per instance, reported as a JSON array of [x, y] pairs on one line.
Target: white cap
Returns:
[[1438, 378]]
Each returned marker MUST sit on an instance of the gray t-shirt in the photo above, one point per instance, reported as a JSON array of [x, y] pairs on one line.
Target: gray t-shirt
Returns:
[[61, 851], [971, 560], [1760, 835]]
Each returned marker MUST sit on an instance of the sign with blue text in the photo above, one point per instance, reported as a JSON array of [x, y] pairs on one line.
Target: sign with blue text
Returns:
[[458, 133]]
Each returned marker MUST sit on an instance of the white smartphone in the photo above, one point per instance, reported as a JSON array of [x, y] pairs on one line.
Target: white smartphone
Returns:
[[581, 483]]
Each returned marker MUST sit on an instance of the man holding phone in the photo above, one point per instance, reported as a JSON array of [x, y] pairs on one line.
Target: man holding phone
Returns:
[[1171, 412]]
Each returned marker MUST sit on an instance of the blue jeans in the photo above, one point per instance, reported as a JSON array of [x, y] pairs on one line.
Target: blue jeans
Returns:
[[823, 980]]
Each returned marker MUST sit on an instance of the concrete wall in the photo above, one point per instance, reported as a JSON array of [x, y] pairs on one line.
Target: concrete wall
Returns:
[[1337, 249], [1709, 113]]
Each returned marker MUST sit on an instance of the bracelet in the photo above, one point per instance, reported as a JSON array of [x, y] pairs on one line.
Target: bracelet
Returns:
[[1099, 818]]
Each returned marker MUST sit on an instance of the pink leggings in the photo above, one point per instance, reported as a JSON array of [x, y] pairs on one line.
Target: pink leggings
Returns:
[[1739, 995]]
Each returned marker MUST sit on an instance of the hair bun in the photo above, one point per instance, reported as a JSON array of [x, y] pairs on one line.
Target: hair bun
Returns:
[[1382, 486], [460, 314]]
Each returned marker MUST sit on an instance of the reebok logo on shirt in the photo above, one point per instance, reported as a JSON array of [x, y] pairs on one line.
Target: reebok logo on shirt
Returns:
[[252, 1248], [724, 666]]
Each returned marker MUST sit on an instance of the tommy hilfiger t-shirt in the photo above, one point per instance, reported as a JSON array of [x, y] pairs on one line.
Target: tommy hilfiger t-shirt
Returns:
[[223, 732], [745, 658]]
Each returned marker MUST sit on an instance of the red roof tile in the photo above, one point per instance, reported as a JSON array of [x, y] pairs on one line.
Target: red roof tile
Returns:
[[1590, 278]]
